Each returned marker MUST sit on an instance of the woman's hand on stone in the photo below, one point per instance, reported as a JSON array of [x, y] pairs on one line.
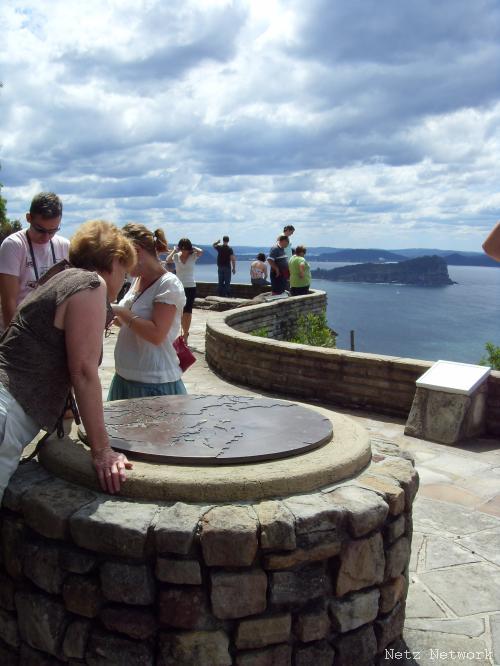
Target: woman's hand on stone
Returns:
[[117, 309], [110, 467]]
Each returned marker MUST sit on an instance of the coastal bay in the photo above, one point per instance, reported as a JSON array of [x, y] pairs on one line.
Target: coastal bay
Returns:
[[426, 271], [451, 323]]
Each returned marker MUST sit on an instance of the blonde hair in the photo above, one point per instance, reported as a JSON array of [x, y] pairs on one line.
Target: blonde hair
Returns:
[[151, 241], [97, 243]]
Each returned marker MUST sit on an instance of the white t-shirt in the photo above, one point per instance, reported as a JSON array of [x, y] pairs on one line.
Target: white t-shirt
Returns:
[[15, 259], [185, 272], [139, 360]]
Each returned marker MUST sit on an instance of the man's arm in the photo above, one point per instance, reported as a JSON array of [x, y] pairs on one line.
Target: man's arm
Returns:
[[233, 263], [216, 244], [492, 244], [9, 292], [273, 265]]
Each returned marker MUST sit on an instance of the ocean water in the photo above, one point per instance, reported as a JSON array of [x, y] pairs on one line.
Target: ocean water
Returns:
[[451, 323]]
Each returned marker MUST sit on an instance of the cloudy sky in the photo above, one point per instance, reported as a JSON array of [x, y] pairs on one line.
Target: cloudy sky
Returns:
[[364, 123]]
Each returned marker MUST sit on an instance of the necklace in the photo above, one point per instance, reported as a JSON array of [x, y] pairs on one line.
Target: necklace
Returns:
[[148, 285]]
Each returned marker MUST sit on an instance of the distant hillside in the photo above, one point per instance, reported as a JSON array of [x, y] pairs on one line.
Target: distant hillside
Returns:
[[463, 259], [423, 271], [209, 256], [360, 255]]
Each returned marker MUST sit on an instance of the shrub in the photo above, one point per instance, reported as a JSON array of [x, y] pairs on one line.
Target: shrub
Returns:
[[313, 329], [492, 357], [261, 332]]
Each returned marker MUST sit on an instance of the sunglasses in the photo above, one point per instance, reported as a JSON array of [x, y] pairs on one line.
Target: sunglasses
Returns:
[[41, 230]]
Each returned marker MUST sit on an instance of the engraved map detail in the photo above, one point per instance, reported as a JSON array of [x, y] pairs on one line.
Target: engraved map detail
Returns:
[[213, 429]]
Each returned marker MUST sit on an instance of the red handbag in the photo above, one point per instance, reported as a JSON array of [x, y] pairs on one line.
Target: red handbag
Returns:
[[184, 354]]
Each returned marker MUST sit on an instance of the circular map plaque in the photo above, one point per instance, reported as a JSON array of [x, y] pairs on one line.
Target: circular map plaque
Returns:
[[213, 429]]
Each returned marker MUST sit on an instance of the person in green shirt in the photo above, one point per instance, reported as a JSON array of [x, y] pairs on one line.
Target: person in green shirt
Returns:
[[300, 272]]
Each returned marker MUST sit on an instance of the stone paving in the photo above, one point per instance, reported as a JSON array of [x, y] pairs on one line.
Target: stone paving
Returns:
[[453, 606]]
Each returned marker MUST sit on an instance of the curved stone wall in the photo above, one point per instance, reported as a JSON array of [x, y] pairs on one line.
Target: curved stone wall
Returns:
[[238, 289], [319, 578], [385, 384], [333, 376]]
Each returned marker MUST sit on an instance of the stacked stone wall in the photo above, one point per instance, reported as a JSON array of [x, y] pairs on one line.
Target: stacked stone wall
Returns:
[[493, 404], [385, 384], [334, 376], [316, 579], [238, 290]]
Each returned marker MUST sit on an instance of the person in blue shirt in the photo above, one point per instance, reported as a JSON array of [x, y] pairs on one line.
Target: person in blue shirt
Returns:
[[278, 261]]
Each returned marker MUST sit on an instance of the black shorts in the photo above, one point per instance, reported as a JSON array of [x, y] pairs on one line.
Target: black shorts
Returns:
[[299, 291], [190, 296]]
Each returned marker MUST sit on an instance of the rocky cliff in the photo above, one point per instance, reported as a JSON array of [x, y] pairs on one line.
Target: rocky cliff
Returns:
[[424, 271]]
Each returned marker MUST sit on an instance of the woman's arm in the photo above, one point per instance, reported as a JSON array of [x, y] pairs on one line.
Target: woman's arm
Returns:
[[492, 244], [170, 256], [153, 330], [302, 269], [84, 319], [197, 250]]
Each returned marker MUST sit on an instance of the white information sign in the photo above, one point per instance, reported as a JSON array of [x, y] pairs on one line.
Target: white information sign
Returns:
[[452, 377]]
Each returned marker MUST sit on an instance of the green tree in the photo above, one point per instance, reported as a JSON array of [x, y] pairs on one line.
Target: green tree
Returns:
[[7, 226], [492, 357]]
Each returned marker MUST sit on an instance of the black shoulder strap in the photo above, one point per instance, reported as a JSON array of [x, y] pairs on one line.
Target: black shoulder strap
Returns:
[[35, 267], [70, 404]]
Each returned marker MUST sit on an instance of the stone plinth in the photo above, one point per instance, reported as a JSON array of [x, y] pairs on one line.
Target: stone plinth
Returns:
[[450, 403], [305, 576]]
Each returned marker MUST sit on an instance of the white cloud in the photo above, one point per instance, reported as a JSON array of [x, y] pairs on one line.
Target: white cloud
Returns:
[[363, 125]]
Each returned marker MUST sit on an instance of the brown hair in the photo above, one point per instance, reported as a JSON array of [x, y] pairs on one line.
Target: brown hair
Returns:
[[47, 205], [97, 243], [151, 241], [185, 244], [300, 249]]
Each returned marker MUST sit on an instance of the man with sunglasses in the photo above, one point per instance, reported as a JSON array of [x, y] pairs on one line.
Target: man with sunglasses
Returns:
[[27, 255]]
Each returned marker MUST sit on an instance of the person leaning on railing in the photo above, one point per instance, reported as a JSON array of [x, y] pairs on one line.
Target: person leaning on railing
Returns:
[[55, 342], [300, 272]]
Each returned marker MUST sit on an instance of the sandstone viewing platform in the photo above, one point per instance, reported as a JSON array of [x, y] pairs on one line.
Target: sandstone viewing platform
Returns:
[[239, 569]]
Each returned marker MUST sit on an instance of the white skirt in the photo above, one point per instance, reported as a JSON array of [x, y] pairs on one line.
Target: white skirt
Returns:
[[17, 430]]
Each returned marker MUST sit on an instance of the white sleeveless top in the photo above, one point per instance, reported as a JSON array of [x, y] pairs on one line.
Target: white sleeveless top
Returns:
[[185, 272], [137, 359]]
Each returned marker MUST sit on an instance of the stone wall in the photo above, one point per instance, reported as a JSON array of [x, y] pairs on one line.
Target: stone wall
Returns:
[[493, 404], [308, 579], [334, 376], [204, 289], [385, 384]]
